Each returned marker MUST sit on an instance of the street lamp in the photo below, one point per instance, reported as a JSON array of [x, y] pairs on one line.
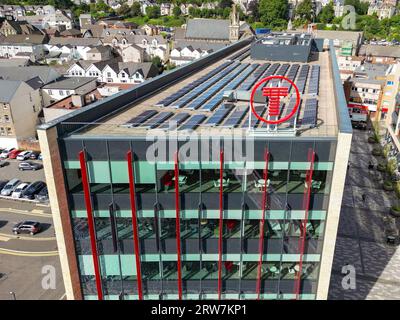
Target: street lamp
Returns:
[[12, 293]]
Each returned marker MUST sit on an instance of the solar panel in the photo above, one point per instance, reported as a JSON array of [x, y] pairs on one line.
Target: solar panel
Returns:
[[310, 113], [175, 121], [236, 117], [138, 120], [157, 120], [193, 122], [313, 86], [254, 120], [302, 78], [180, 93], [218, 116]]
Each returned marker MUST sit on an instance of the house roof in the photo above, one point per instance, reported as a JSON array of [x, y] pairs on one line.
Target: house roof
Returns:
[[8, 88], [23, 27], [70, 83], [100, 49], [26, 39], [203, 45], [46, 74], [70, 32], [213, 29], [380, 51], [85, 42]]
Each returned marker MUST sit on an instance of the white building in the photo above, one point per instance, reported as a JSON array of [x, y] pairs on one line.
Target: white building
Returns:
[[181, 56], [32, 46]]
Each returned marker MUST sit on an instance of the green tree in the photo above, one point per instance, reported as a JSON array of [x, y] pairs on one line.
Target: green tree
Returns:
[[176, 11], [305, 10], [153, 12], [158, 63], [327, 13], [360, 6], [273, 13], [124, 10], [135, 10]]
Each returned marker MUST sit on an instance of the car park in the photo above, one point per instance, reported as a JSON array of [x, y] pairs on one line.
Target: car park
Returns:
[[14, 153], [29, 165], [3, 163], [40, 157], [31, 227], [10, 187], [5, 153], [24, 155], [33, 189], [18, 191], [43, 195], [34, 155]]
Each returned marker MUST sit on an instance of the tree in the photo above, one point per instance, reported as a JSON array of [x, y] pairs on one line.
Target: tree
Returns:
[[253, 8], [360, 7], [153, 12], [158, 63], [176, 11], [273, 13], [102, 6], [124, 10], [305, 10], [327, 13], [136, 10]]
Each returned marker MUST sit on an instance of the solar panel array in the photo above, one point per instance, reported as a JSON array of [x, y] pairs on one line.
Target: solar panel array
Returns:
[[212, 90], [193, 122], [238, 54], [302, 78], [289, 109], [310, 113], [232, 84], [175, 121], [271, 71], [138, 120], [219, 115], [250, 81], [291, 75], [154, 122], [313, 84], [281, 72], [236, 117], [212, 85], [180, 93]]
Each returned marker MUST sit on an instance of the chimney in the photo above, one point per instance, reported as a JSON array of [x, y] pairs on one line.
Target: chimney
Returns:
[[78, 100]]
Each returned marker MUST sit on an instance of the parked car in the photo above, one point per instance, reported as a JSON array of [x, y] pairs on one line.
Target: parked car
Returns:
[[3, 163], [13, 154], [6, 152], [29, 165], [24, 155], [40, 157], [33, 189], [2, 184], [18, 190], [43, 195], [10, 187], [31, 227], [34, 155]]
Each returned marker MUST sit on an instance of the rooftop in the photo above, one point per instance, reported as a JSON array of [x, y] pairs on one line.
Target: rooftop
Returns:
[[202, 101], [71, 83]]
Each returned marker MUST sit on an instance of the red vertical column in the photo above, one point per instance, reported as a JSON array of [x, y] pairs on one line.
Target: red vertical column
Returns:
[[303, 224], [262, 226], [221, 211], [92, 233], [129, 159], [178, 226]]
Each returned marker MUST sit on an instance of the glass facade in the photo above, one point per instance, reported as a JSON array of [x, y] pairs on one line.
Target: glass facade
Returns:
[[240, 267]]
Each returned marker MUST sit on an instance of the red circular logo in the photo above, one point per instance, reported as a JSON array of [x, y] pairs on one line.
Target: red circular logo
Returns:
[[274, 95]]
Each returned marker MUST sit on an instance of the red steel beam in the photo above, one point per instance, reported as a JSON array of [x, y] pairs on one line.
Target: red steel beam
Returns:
[[132, 193], [221, 210], [92, 234], [262, 226], [303, 224], [178, 226]]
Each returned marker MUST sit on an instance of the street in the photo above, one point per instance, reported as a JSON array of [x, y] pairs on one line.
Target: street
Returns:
[[25, 260]]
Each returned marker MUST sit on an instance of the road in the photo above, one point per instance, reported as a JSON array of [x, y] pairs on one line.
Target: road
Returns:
[[26, 260]]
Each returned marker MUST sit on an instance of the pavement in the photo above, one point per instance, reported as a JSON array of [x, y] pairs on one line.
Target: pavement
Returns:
[[361, 239], [11, 171], [29, 265]]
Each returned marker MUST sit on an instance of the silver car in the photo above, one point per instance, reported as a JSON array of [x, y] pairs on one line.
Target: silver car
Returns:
[[17, 192], [10, 187]]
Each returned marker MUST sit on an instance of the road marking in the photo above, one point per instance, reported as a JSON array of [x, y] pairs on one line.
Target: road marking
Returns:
[[15, 236], [4, 239], [63, 296], [25, 212], [28, 254]]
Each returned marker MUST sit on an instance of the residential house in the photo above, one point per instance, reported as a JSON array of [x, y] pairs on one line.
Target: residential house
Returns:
[[71, 48], [380, 54], [71, 33], [99, 53], [11, 27], [85, 20], [382, 10], [183, 55], [58, 19], [20, 105], [166, 9], [20, 45], [150, 30], [132, 53], [117, 24], [65, 87]]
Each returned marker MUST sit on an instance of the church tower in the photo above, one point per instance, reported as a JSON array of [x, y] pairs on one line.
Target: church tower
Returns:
[[234, 25]]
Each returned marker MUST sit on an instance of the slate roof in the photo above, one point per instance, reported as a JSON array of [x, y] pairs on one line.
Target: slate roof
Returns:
[[8, 88], [70, 83], [28, 39], [213, 29], [380, 51], [85, 42], [45, 73]]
